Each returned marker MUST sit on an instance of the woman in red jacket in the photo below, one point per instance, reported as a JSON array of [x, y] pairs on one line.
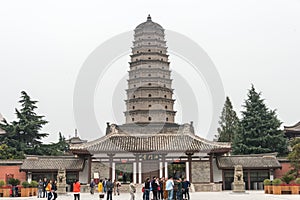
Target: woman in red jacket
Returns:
[[76, 190]]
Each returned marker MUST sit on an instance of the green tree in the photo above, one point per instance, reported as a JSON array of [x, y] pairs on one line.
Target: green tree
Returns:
[[24, 133], [294, 156], [228, 123], [259, 128]]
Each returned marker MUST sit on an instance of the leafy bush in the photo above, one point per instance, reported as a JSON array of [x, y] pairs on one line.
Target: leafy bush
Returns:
[[13, 181], [25, 184], [267, 182], [297, 180], [276, 181], [287, 178], [2, 183], [33, 184]]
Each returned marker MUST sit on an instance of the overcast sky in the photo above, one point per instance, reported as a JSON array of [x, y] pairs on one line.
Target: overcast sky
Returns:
[[45, 43]]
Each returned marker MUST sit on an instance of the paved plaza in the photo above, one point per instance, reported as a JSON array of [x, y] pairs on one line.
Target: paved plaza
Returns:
[[227, 195]]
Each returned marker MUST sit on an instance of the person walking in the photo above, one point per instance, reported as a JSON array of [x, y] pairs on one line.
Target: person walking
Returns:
[[132, 190], [76, 190], [109, 188], [186, 187], [170, 188], [48, 189], [92, 186]]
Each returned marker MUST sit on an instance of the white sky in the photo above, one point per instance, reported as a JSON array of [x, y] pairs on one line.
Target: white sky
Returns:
[[43, 45]]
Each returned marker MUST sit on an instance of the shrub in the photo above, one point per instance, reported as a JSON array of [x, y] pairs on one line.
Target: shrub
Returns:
[[13, 181], [25, 184], [267, 182], [276, 181], [287, 178], [2, 183], [297, 180], [33, 184]]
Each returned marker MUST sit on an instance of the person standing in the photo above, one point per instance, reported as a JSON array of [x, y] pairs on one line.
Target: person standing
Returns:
[[40, 189], [118, 187], [161, 188], [147, 189], [104, 185], [109, 188], [170, 188], [132, 190], [53, 189], [100, 186], [76, 190], [45, 182], [186, 187], [154, 185], [48, 189], [179, 190]]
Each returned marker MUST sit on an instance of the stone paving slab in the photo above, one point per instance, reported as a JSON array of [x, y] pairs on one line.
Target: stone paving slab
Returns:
[[227, 195]]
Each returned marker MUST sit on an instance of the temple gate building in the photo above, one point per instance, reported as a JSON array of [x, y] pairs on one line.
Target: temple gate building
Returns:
[[150, 143]]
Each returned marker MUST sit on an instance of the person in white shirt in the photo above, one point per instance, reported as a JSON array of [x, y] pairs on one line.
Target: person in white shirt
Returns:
[[170, 188]]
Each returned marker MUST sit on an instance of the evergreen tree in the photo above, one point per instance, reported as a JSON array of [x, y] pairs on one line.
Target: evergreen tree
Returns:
[[259, 129], [294, 155], [24, 134], [228, 123]]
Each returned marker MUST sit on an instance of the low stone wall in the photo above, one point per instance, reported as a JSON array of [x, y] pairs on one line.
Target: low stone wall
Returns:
[[207, 187]]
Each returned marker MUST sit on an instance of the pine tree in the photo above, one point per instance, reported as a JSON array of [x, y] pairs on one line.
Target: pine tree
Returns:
[[294, 155], [24, 134], [259, 129], [228, 123]]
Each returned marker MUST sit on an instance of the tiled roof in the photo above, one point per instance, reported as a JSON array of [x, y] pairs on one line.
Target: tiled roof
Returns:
[[52, 163], [295, 128], [165, 141], [248, 161]]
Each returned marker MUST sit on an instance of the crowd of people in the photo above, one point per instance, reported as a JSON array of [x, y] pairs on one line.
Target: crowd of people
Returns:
[[166, 189], [47, 189], [153, 189]]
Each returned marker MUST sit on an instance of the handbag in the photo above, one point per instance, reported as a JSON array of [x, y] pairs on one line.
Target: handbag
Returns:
[[158, 188], [143, 189]]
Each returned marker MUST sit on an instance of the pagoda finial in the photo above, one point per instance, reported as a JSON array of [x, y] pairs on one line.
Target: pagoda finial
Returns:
[[75, 132], [149, 18]]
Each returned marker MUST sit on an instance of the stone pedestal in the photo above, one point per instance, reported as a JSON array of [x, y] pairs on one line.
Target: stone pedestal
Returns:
[[238, 183], [61, 181]]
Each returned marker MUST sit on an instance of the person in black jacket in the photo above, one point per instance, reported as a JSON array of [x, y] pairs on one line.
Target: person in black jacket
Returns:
[[154, 185], [186, 187], [146, 189]]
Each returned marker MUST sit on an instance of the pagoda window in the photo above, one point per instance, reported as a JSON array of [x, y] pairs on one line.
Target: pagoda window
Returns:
[[134, 85], [137, 59], [137, 52], [149, 50], [134, 96], [160, 51], [162, 59], [133, 107], [149, 43], [149, 58], [149, 118], [149, 83], [166, 107], [149, 74], [167, 119], [132, 119], [149, 106], [165, 96], [149, 66], [149, 95]]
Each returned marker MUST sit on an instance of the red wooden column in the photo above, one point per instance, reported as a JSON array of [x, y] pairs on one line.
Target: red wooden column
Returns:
[[189, 154], [211, 168]]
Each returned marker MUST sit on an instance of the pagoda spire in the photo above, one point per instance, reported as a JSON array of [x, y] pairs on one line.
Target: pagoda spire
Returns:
[[149, 18]]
